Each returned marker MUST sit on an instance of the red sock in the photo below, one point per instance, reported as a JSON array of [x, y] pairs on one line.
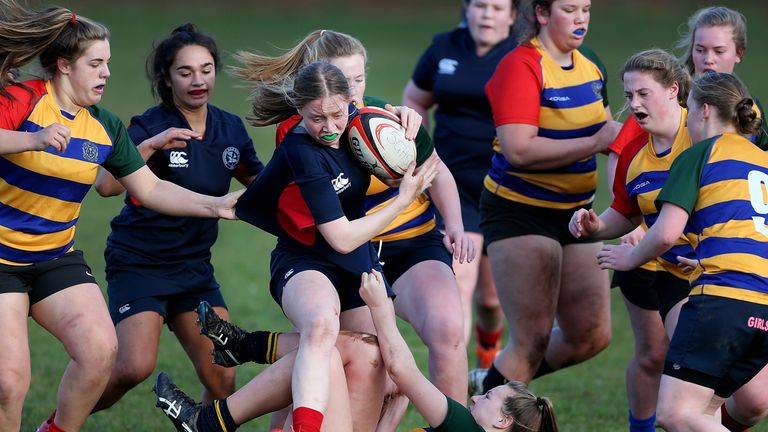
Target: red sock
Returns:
[[731, 424], [488, 339], [307, 420], [52, 427]]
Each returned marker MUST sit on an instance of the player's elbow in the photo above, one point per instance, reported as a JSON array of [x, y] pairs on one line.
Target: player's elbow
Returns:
[[340, 244]]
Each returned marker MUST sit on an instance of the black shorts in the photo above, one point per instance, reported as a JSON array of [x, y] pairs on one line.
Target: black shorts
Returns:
[[42, 279], [719, 343], [501, 219], [399, 256], [285, 265], [136, 284], [651, 290]]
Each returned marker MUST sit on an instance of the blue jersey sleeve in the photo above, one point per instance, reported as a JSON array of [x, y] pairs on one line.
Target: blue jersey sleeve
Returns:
[[424, 74], [249, 164]]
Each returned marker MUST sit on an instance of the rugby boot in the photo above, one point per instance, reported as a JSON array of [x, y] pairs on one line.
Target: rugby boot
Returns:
[[226, 337], [181, 409], [476, 377]]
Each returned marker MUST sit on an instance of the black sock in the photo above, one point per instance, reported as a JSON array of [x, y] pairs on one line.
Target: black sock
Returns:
[[215, 417], [544, 369], [259, 347], [493, 379]]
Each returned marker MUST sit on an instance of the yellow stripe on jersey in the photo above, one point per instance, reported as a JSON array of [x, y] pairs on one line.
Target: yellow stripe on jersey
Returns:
[[39, 205], [34, 242], [740, 262], [417, 208], [723, 191], [511, 195], [563, 183], [731, 292], [559, 119], [52, 165]]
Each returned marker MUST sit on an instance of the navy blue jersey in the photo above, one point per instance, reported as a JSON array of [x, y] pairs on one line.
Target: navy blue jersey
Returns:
[[205, 166], [306, 184], [452, 71]]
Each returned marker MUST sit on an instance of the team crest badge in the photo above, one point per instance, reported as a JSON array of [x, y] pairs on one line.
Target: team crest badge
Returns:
[[597, 87], [90, 151], [231, 157]]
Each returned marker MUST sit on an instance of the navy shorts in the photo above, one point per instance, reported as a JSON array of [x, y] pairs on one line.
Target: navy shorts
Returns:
[[45, 278], [136, 284], [399, 256], [285, 265], [651, 290], [469, 183], [501, 219], [719, 343]]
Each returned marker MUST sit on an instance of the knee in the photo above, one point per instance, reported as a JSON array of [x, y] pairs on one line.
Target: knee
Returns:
[[320, 333], [129, 372], [651, 360], [14, 384], [219, 381], [669, 419], [591, 342], [97, 352], [445, 335], [750, 410]]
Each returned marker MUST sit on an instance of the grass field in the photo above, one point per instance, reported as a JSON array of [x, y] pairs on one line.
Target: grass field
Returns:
[[588, 397]]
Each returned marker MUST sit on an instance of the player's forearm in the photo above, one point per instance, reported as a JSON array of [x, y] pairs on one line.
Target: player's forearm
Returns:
[[398, 358], [15, 141], [445, 195]]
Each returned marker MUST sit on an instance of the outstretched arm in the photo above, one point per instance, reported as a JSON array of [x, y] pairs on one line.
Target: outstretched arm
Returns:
[[168, 198], [446, 198], [659, 238], [346, 235], [56, 135], [106, 185], [401, 366]]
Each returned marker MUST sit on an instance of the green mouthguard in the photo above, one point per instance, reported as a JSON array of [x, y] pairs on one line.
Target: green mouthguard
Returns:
[[330, 137]]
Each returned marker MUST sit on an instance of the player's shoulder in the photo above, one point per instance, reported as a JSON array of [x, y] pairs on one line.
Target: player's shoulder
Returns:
[[220, 115]]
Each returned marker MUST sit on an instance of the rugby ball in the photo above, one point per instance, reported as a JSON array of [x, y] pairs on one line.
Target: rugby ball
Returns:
[[378, 141]]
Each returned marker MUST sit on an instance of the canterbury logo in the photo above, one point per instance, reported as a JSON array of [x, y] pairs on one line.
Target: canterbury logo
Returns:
[[340, 183], [178, 159]]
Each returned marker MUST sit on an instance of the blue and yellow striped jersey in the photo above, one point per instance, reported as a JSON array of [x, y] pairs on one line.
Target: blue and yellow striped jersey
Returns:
[[529, 87], [640, 175], [722, 183], [41, 191]]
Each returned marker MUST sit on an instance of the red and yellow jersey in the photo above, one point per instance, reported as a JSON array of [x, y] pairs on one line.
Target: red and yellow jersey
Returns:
[[41, 191], [529, 87], [722, 183], [640, 176]]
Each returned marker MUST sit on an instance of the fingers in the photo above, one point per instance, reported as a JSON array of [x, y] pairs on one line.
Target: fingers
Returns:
[[575, 226], [55, 135], [409, 119]]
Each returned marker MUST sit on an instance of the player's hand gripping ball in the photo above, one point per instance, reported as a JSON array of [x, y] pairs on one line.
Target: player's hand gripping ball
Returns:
[[378, 141]]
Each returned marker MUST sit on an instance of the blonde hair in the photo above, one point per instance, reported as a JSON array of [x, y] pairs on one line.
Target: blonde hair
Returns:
[[730, 99], [51, 34], [529, 412], [713, 16], [665, 69], [271, 79]]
